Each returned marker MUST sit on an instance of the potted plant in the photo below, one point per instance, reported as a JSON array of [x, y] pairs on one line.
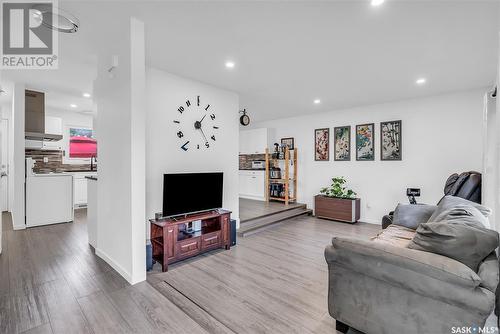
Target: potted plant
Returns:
[[336, 202]]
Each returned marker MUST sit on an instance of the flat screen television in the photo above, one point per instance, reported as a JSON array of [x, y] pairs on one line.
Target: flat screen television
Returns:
[[191, 192]]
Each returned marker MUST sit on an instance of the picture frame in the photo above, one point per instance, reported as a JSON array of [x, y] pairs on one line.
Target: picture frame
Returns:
[[365, 142], [342, 143], [322, 144], [391, 143], [288, 142]]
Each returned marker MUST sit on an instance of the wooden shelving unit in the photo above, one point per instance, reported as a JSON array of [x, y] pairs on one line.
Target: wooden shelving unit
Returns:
[[289, 176]]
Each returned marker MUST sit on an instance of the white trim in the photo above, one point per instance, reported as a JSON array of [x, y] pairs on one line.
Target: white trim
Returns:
[[257, 198], [18, 227], [125, 274]]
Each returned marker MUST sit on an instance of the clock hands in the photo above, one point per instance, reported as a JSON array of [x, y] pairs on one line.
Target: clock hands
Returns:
[[197, 126], [206, 141]]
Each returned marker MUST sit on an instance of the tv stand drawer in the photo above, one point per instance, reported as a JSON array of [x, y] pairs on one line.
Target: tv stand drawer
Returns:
[[211, 240], [189, 247]]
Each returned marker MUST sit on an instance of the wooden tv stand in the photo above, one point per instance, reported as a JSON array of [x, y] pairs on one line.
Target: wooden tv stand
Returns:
[[171, 241]]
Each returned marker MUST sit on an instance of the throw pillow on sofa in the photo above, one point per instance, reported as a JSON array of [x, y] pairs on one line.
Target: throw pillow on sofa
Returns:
[[459, 234], [449, 202], [410, 215]]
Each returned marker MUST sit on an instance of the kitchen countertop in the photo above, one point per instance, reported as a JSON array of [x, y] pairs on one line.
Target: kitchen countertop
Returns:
[[81, 171], [255, 169], [94, 178], [50, 174]]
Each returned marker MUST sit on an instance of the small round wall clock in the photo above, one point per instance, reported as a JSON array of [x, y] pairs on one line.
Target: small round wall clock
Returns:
[[196, 125]]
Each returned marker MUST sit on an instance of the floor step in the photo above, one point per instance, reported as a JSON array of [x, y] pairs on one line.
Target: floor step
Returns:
[[256, 225], [272, 212]]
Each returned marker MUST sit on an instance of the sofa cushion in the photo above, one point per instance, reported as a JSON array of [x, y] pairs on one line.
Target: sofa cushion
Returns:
[[449, 202], [462, 213], [459, 235], [395, 235], [488, 271], [410, 215]]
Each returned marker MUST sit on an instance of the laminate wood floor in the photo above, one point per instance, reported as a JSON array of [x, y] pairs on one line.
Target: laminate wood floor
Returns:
[[271, 282], [52, 282]]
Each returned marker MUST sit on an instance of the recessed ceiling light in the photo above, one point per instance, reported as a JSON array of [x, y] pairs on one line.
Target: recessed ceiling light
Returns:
[[421, 81], [87, 95], [229, 64], [72, 105], [317, 101], [376, 3]]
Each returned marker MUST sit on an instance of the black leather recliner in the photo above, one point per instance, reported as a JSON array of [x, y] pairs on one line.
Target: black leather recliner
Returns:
[[466, 185]]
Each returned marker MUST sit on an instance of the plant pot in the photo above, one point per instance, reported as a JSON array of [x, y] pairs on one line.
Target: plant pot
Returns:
[[340, 209]]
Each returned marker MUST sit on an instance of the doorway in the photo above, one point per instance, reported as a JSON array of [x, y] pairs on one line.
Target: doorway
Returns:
[[4, 165]]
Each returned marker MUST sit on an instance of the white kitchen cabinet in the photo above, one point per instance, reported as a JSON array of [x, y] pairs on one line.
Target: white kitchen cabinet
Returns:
[[53, 126], [48, 199], [255, 141], [252, 184], [80, 188]]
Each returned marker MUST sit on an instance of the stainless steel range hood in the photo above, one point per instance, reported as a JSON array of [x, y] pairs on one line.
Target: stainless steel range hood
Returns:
[[34, 124], [41, 136]]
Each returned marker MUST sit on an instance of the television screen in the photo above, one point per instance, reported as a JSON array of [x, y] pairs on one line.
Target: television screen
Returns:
[[191, 192]]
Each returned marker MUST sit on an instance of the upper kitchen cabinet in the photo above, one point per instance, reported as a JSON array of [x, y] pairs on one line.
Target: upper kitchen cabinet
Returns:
[[255, 141], [53, 126]]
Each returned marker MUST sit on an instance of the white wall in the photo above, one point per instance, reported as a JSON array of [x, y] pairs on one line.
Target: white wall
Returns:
[[165, 93], [18, 165], [7, 113], [490, 156], [441, 135], [121, 221], [70, 119]]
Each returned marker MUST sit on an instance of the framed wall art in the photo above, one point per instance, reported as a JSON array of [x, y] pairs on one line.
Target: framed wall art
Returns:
[[322, 144], [391, 141], [288, 142], [365, 146], [342, 144]]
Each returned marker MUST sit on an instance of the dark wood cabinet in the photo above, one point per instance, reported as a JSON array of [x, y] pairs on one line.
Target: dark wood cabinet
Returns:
[[171, 236], [340, 209], [172, 242]]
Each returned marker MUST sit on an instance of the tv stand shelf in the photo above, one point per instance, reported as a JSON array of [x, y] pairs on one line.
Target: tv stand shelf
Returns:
[[172, 241]]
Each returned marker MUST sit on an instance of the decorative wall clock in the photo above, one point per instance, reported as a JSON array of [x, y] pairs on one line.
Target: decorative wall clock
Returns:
[[196, 125]]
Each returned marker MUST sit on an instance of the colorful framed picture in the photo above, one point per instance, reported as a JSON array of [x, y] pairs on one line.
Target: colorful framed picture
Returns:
[[322, 144], [288, 142], [342, 143], [365, 136], [391, 141]]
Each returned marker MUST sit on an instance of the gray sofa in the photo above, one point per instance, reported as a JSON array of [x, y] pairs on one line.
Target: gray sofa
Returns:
[[384, 287]]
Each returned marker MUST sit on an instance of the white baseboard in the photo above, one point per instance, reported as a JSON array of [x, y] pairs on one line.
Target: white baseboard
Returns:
[[125, 274], [256, 198]]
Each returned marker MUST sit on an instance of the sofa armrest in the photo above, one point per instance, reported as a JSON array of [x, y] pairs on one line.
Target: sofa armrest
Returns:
[[419, 271], [387, 220], [488, 272]]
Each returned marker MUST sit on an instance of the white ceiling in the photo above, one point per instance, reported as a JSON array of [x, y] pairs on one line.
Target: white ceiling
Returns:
[[287, 54], [62, 87]]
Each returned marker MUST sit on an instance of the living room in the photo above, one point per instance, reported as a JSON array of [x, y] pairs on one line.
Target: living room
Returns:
[[347, 112]]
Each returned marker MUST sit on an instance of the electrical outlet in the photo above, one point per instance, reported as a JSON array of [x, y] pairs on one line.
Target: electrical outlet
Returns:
[[368, 205], [45, 159]]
